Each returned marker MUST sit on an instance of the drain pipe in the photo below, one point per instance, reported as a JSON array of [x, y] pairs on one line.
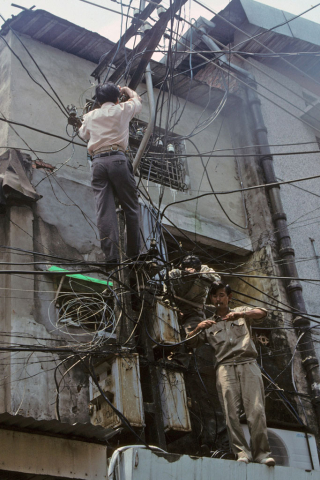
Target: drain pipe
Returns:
[[152, 116], [286, 251]]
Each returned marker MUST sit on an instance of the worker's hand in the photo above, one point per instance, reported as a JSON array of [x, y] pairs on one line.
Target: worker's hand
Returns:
[[74, 121], [126, 91], [233, 316], [205, 324], [190, 270]]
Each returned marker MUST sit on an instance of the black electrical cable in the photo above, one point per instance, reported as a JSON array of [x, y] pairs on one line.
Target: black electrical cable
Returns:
[[250, 37], [33, 79], [42, 131], [211, 186], [245, 189], [40, 70]]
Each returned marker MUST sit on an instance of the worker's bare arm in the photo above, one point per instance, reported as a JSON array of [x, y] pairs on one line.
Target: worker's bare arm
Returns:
[[254, 314], [201, 326]]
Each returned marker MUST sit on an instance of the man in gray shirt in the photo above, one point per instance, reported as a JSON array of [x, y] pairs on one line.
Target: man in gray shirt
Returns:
[[238, 376]]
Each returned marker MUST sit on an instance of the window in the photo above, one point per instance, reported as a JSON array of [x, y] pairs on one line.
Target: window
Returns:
[[162, 164]]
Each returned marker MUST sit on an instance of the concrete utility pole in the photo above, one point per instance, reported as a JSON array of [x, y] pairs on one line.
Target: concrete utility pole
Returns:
[[119, 47], [148, 44], [125, 312]]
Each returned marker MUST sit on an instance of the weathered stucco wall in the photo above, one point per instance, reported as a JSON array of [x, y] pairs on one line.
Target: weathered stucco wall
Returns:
[[300, 200], [70, 77], [63, 222]]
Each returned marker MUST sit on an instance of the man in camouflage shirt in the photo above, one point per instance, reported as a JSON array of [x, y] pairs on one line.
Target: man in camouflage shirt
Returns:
[[238, 376], [191, 283]]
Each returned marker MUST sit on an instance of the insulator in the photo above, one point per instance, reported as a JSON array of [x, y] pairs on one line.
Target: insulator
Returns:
[[146, 27], [161, 10]]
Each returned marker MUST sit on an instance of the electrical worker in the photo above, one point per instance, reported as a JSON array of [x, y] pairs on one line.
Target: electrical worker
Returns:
[[191, 283], [107, 132], [238, 375]]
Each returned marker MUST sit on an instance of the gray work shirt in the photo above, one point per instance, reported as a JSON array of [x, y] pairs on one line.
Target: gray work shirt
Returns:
[[231, 340]]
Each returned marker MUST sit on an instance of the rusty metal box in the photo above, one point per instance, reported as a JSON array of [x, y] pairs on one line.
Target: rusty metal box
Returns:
[[165, 327], [175, 411], [119, 378]]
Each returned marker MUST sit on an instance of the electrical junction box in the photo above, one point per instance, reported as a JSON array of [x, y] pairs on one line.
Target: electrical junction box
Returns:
[[164, 325], [119, 378], [173, 396]]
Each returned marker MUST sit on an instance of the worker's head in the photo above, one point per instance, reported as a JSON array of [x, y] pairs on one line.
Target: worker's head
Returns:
[[191, 261], [220, 295], [107, 92]]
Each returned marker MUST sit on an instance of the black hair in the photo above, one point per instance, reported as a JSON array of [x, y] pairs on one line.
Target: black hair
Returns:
[[218, 286], [107, 92], [191, 261]]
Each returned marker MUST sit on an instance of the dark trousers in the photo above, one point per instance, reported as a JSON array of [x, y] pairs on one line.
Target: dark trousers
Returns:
[[113, 176]]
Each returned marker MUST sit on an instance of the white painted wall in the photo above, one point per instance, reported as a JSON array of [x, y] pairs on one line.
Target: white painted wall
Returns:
[[140, 464]]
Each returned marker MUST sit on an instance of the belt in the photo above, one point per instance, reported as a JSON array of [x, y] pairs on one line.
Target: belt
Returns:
[[110, 148], [107, 154]]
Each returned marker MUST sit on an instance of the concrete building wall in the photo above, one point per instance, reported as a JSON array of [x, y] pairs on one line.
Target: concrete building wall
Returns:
[[70, 77], [300, 200], [63, 222]]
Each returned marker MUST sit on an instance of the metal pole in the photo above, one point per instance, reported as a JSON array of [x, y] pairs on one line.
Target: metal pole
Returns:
[[152, 116]]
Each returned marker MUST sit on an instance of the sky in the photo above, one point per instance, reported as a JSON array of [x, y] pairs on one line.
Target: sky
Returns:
[[109, 24]]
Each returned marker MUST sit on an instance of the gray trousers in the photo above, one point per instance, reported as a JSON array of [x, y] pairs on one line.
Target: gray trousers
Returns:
[[243, 382], [113, 176]]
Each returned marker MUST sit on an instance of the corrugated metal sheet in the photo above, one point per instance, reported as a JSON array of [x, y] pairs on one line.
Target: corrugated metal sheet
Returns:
[[59, 33], [83, 431], [267, 17], [300, 35]]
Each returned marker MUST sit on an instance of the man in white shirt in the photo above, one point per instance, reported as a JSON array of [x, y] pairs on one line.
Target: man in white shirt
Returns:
[[107, 132]]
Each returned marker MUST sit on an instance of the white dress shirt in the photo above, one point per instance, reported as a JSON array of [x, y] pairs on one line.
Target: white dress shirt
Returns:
[[109, 125]]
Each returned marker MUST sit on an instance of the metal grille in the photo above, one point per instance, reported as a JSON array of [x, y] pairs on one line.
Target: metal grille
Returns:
[[158, 164], [168, 172]]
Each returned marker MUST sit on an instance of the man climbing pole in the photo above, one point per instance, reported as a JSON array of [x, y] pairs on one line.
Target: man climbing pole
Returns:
[[107, 131]]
